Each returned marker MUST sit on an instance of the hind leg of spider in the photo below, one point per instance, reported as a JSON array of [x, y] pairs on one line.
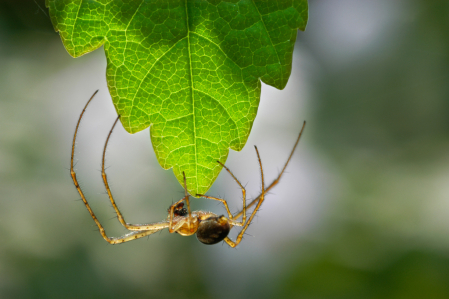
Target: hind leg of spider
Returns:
[[259, 203], [134, 227], [108, 189], [231, 218], [276, 181], [105, 179]]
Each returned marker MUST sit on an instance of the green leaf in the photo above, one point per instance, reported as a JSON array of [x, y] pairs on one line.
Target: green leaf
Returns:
[[189, 69]]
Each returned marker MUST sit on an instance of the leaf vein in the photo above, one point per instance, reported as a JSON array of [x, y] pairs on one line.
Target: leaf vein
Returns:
[[74, 25], [149, 71], [219, 47], [220, 104], [269, 37]]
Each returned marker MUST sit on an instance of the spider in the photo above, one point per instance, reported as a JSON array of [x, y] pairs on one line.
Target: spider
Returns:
[[209, 228]]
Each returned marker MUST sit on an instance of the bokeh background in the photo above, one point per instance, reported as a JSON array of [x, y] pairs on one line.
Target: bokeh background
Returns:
[[363, 211]]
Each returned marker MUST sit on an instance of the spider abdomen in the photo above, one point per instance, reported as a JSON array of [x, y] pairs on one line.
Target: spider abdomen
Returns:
[[213, 230]]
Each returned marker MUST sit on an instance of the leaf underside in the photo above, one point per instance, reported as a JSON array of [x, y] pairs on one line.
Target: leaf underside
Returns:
[[189, 69]]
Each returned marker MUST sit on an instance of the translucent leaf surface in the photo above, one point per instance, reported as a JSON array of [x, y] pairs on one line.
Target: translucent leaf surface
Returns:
[[189, 69]]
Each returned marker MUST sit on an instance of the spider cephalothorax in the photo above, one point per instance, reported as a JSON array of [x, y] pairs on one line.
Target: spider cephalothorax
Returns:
[[208, 227]]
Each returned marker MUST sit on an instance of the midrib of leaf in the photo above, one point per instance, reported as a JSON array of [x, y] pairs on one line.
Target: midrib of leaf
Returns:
[[192, 92]]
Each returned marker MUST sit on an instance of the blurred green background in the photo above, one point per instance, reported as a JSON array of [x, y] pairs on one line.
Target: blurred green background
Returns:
[[363, 211]]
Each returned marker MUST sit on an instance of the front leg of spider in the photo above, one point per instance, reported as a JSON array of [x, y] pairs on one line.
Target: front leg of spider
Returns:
[[177, 209]]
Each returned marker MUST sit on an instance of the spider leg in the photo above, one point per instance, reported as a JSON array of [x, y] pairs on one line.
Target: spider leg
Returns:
[[105, 179], [231, 218], [259, 203], [187, 197], [276, 181], [221, 200], [189, 219], [178, 225], [131, 236], [73, 174]]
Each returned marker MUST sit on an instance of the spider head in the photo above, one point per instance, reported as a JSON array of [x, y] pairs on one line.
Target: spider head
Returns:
[[178, 210], [213, 230]]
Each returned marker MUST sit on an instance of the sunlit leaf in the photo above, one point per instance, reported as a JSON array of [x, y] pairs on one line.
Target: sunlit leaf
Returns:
[[189, 69]]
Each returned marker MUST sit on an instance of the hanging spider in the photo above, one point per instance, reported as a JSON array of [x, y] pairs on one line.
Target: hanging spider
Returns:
[[209, 228]]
